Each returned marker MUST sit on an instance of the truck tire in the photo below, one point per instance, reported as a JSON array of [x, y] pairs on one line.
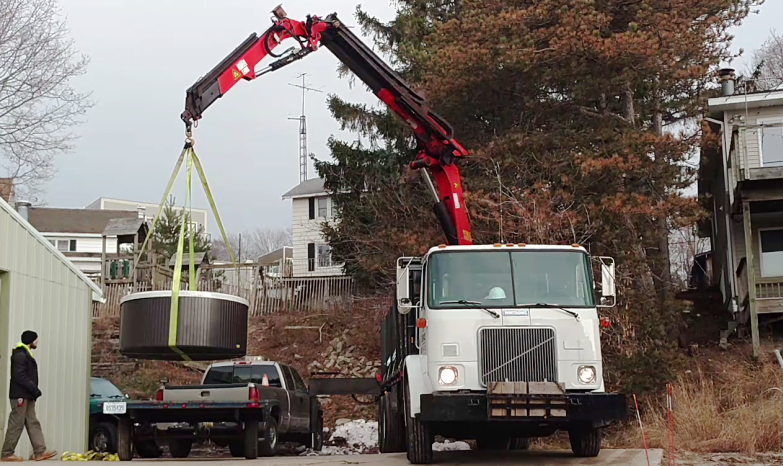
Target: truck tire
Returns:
[[520, 443], [266, 446], [420, 436], [237, 449], [251, 439], [317, 437], [148, 449], [125, 439], [103, 438], [585, 441], [180, 448], [391, 425]]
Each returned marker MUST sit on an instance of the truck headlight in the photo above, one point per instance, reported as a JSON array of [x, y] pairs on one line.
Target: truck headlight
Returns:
[[447, 375], [586, 374]]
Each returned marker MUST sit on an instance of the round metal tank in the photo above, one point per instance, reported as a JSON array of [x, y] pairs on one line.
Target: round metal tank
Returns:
[[210, 326]]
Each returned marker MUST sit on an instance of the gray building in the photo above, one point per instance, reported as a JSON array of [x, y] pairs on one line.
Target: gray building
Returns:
[[41, 290]]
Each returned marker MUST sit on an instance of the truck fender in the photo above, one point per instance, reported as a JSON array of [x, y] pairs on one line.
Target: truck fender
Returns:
[[418, 380]]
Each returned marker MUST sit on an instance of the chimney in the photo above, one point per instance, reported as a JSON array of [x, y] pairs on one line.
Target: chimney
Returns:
[[23, 207], [6, 189], [727, 78]]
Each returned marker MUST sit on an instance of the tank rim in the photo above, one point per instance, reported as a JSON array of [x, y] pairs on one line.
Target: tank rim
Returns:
[[184, 294]]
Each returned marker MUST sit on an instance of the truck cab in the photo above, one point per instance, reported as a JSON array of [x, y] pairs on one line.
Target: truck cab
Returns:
[[499, 343]]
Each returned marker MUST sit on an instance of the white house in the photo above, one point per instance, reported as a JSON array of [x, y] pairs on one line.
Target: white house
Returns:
[[199, 217], [77, 233], [311, 207]]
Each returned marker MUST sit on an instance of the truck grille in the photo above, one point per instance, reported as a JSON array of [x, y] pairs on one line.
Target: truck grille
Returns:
[[518, 355]]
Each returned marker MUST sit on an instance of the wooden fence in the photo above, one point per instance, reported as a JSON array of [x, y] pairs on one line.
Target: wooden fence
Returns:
[[307, 294]]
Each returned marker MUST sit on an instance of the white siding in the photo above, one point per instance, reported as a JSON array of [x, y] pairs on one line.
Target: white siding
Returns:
[[756, 222], [307, 231], [42, 291], [749, 137]]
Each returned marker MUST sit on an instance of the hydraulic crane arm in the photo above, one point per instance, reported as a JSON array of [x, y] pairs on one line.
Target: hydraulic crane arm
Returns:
[[438, 148]]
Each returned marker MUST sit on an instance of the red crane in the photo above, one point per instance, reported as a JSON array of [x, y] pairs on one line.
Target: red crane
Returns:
[[438, 150]]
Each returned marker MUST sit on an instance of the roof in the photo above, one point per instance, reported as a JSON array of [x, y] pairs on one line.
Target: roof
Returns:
[[270, 258], [97, 294], [123, 226], [48, 220], [718, 105], [309, 188], [200, 256], [129, 201]]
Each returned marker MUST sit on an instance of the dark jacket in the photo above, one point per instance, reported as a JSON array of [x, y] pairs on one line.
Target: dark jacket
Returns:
[[24, 376]]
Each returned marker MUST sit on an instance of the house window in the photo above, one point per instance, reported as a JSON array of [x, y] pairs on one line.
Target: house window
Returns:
[[323, 207], [771, 245], [65, 245], [324, 255], [772, 145], [310, 257]]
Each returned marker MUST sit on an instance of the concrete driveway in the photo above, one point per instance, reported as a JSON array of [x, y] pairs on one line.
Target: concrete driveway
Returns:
[[454, 458]]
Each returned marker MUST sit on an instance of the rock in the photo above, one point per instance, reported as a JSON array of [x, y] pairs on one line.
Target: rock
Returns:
[[296, 356], [340, 422]]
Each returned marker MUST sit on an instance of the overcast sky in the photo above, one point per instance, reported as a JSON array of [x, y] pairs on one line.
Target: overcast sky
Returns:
[[145, 53]]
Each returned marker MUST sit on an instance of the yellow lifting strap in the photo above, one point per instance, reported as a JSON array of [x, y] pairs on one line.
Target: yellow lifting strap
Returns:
[[192, 160]]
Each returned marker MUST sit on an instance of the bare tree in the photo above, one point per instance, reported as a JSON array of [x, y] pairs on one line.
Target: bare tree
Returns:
[[38, 106], [255, 243], [768, 60]]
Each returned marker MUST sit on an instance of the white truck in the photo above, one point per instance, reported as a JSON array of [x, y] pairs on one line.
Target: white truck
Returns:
[[497, 343]]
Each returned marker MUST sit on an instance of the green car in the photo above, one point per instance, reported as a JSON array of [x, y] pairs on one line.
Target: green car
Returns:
[[106, 401]]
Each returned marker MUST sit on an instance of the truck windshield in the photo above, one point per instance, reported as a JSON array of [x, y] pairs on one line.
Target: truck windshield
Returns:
[[494, 279]]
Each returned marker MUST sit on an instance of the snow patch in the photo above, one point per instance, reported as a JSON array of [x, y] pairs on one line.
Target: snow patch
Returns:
[[448, 445], [360, 437]]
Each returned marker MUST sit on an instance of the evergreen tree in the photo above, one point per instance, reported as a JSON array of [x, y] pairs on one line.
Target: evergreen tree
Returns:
[[581, 117], [166, 236]]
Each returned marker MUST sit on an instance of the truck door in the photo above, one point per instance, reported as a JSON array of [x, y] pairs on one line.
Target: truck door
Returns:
[[300, 401], [290, 389]]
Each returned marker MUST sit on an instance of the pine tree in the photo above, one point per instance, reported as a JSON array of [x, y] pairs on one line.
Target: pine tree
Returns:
[[166, 236], [581, 119]]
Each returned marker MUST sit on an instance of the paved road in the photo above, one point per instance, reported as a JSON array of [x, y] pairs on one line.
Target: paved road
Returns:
[[456, 458]]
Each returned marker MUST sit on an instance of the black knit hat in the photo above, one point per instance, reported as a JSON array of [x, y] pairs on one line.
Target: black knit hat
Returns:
[[28, 337]]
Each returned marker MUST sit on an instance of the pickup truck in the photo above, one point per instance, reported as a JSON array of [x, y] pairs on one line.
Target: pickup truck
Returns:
[[246, 405]]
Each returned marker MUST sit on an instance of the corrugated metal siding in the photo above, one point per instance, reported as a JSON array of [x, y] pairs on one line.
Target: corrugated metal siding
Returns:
[[47, 296]]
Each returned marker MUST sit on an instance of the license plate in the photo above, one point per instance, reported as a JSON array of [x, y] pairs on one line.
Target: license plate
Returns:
[[115, 408]]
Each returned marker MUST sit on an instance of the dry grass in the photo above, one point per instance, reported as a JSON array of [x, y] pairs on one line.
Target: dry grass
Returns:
[[727, 403]]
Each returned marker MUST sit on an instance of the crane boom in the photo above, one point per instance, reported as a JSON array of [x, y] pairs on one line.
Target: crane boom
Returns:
[[438, 150]]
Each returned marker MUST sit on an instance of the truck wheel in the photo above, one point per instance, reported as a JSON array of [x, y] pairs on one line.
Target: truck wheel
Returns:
[[125, 439], [237, 449], [103, 438], [148, 449], [519, 443], [251, 439], [266, 447], [420, 436], [585, 441], [391, 426], [180, 448]]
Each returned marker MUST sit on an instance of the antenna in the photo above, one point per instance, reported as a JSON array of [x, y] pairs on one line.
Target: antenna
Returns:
[[303, 128]]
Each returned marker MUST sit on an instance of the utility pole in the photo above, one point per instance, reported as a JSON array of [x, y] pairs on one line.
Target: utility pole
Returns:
[[303, 128]]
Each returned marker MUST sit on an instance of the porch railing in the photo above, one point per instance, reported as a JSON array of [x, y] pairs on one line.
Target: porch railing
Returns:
[[769, 290]]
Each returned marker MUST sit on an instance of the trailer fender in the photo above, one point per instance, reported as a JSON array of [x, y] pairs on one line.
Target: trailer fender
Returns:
[[418, 380]]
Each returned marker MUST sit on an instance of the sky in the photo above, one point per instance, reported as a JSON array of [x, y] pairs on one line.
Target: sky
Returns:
[[144, 54]]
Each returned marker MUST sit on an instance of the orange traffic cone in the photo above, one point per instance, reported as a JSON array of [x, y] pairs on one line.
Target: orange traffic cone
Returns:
[[265, 381]]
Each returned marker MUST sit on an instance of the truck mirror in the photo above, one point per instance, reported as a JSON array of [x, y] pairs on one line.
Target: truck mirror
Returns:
[[608, 287], [403, 290]]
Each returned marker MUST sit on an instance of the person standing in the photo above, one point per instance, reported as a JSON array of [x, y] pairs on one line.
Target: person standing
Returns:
[[24, 392]]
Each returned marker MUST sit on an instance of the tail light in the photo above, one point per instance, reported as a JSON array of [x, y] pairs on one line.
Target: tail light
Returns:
[[159, 395]]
